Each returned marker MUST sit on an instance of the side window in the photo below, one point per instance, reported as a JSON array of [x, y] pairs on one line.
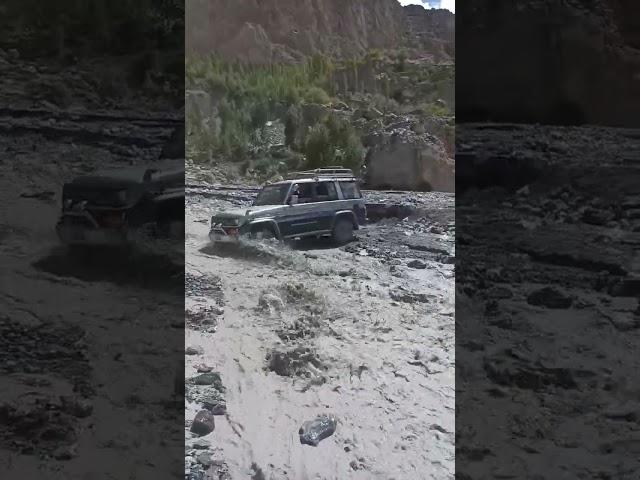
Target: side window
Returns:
[[305, 193], [326, 191], [350, 190]]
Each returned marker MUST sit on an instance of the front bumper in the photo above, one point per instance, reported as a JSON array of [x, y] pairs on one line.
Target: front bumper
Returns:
[[218, 235]]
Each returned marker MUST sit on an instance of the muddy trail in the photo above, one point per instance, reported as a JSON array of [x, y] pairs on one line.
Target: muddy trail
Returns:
[[69, 327], [362, 334], [547, 300]]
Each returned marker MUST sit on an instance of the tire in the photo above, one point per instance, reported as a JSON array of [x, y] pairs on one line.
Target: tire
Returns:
[[342, 231], [263, 233]]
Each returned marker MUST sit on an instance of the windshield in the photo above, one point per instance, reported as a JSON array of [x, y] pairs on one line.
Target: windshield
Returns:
[[272, 195]]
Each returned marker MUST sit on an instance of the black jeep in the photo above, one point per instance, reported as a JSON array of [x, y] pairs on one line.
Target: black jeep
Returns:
[[108, 208], [316, 203]]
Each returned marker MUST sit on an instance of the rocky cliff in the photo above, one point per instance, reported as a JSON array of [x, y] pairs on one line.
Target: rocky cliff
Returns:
[[431, 32], [565, 62], [258, 31]]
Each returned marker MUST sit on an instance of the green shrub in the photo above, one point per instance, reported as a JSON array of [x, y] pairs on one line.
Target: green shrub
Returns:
[[317, 147], [331, 142], [317, 95]]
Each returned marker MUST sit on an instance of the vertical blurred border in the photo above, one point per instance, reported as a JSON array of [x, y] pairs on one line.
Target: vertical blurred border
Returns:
[[92, 337]]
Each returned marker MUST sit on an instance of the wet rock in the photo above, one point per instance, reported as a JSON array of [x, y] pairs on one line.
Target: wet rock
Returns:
[[195, 472], [549, 297], [205, 459], [202, 368], [257, 474], [211, 378], [65, 452], [203, 424], [404, 296], [194, 350], [293, 362], [594, 216], [314, 431], [215, 405], [78, 407], [417, 264], [271, 303]]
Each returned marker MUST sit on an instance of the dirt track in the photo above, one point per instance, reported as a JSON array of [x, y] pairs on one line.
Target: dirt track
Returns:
[[296, 332]]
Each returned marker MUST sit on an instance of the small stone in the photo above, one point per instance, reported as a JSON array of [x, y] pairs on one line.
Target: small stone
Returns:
[[417, 264], [271, 302], [211, 378], [216, 407], [79, 407], [205, 459], [65, 452], [194, 350], [203, 424], [13, 54], [549, 297], [202, 368], [314, 431]]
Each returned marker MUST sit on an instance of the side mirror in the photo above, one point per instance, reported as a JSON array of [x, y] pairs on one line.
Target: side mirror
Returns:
[[293, 200]]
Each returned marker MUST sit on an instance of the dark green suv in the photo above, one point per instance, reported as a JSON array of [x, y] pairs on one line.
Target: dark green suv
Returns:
[[315, 203]]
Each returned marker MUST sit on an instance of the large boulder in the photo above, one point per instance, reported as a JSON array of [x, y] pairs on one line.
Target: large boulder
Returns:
[[401, 159]]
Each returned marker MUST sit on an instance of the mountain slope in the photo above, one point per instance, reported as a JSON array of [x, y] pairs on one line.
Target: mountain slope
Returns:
[[258, 31]]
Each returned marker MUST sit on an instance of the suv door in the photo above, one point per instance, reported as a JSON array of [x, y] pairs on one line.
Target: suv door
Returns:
[[327, 202], [315, 211], [298, 219], [351, 193]]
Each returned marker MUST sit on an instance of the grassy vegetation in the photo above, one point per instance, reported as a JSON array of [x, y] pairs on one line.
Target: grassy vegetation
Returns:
[[246, 97]]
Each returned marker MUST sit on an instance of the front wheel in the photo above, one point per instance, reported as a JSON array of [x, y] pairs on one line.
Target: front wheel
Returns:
[[263, 233], [342, 231]]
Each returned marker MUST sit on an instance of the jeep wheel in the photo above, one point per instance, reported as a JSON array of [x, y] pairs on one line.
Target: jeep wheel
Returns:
[[342, 231], [263, 233]]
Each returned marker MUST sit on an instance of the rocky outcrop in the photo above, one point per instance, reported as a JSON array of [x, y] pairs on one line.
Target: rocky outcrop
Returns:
[[564, 62], [432, 31], [261, 32], [403, 160], [290, 30]]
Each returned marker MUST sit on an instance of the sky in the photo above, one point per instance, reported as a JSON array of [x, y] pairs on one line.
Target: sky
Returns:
[[448, 4]]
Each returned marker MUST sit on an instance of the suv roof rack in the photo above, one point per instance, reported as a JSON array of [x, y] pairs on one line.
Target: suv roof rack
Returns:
[[326, 172]]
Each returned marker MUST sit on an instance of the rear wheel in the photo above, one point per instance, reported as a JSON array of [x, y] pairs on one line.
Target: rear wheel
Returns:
[[342, 230]]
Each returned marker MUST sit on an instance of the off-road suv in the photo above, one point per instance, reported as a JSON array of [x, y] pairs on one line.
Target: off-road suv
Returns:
[[315, 203], [108, 208]]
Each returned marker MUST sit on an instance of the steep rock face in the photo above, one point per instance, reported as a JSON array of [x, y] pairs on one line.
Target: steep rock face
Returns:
[[260, 31], [432, 31], [565, 62]]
